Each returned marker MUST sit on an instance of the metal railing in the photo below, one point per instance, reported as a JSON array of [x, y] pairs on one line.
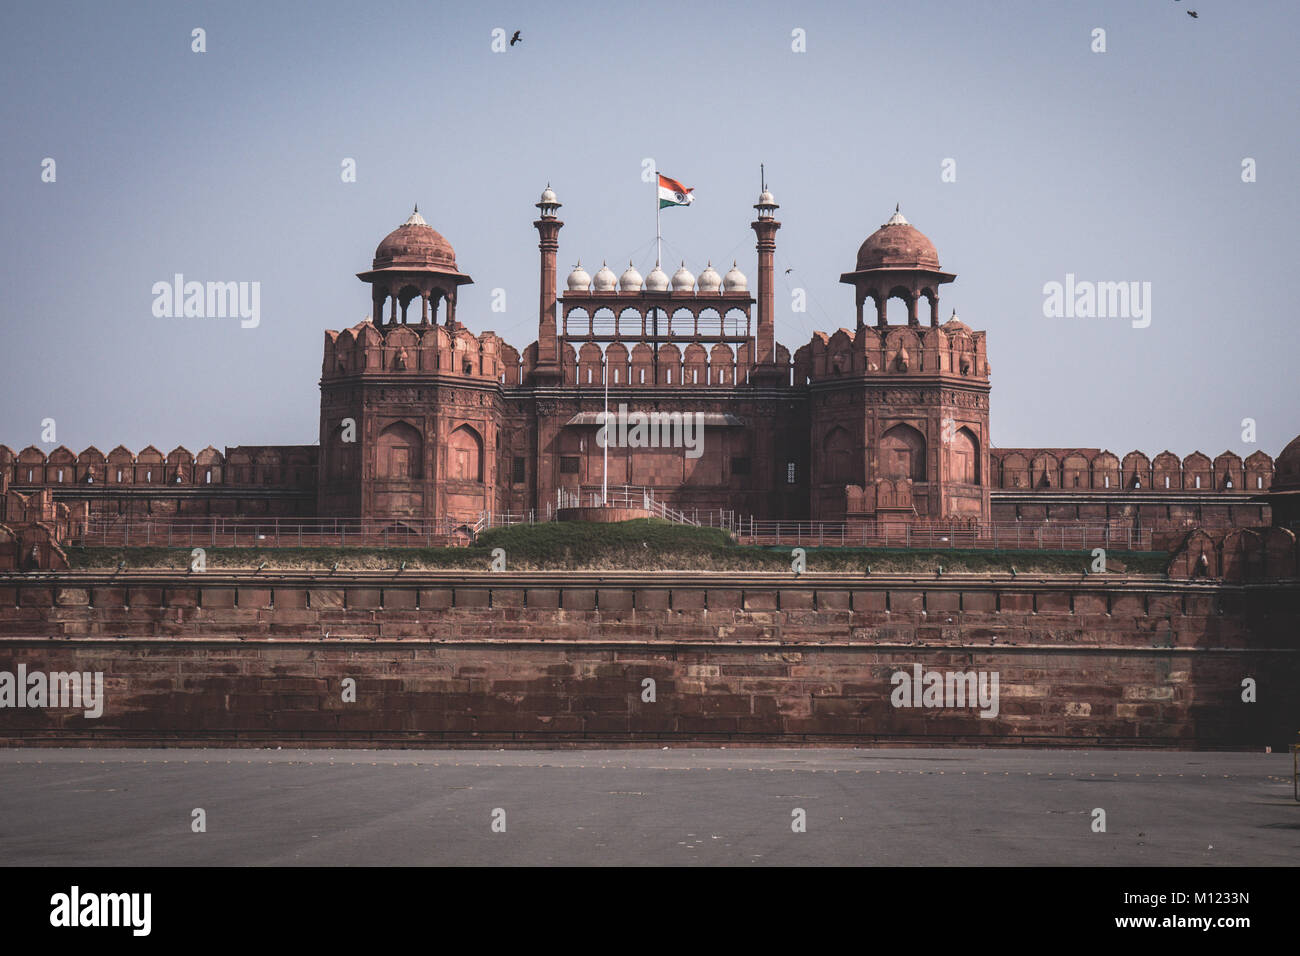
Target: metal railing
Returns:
[[284, 532], [623, 496], [280, 532], [993, 535]]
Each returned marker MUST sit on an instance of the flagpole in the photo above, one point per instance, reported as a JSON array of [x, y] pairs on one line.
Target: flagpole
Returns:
[[659, 236], [604, 469], [659, 255]]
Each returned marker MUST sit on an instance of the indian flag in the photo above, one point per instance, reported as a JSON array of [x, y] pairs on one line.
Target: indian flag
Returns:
[[673, 193]]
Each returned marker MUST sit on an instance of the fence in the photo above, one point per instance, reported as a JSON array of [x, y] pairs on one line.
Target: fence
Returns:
[[623, 496], [176, 532], [1008, 535], [287, 532]]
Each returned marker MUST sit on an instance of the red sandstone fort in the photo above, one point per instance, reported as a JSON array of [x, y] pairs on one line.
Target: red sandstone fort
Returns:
[[426, 424], [879, 425]]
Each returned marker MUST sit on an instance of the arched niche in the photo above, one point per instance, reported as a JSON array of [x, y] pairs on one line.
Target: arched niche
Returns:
[[964, 458], [399, 453], [902, 454], [465, 455]]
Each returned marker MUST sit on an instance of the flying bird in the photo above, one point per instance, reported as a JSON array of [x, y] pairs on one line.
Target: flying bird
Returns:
[[516, 38], [788, 271], [1193, 14]]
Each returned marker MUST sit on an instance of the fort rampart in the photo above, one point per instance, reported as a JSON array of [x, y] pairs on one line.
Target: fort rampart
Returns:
[[513, 659]]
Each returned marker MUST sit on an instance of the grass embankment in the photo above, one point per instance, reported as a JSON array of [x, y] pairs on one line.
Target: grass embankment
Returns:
[[646, 544]]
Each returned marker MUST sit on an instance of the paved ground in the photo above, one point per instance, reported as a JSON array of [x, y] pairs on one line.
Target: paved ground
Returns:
[[679, 806]]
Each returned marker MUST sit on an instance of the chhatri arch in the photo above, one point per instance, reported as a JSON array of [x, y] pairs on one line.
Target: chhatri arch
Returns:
[[897, 262]]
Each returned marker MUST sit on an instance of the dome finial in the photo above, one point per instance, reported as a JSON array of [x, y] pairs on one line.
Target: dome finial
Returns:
[[735, 281], [549, 204], [897, 219], [657, 280], [604, 280], [630, 280]]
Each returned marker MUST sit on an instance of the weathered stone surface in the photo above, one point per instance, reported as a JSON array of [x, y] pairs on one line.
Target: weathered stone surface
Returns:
[[536, 664]]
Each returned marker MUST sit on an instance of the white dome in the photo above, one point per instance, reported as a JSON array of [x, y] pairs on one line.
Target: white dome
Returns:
[[548, 195], [710, 281], [605, 280], [766, 199], [683, 280], [734, 280], [578, 280], [657, 280], [630, 281]]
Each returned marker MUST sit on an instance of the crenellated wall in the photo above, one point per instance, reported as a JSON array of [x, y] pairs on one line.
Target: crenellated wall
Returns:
[[1052, 470], [950, 349]]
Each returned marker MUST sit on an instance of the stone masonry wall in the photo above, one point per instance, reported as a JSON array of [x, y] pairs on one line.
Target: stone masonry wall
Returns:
[[528, 659]]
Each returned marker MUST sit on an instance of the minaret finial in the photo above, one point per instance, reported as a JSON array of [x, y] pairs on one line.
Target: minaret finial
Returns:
[[896, 205]]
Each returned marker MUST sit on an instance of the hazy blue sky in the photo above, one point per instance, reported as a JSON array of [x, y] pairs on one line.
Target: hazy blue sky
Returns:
[[225, 165]]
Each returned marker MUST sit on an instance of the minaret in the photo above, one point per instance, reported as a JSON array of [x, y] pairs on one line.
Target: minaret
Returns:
[[548, 371], [765, 226]]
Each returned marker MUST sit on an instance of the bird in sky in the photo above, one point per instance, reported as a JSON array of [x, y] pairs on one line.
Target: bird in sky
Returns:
[[1193, 14], [516, 38], [788, 271]]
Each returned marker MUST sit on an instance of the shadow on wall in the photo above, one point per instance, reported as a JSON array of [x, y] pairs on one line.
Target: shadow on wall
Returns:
[[1238, 555]]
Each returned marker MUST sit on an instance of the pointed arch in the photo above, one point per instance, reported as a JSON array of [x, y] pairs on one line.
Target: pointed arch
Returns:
[[399, 453], [902, 454], [465, 455], [964, 457]]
